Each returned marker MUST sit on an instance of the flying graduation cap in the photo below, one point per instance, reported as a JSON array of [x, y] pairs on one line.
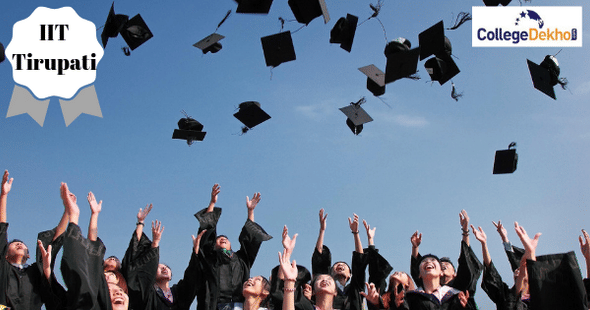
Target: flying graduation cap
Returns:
[[496, 2], [307, 10], [375, 79], [134, 31], [343, 32], [278, 48], [253, 6], [251, 115], [546, 75], [433, 41], [402, 61], [211, 42], [506, 160], [2, 55], [356, 116], [189, 129]]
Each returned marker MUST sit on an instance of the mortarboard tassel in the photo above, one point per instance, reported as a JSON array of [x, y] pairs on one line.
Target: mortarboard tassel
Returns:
[[461, 18], [223, 20], [126, 51], [454, 94]]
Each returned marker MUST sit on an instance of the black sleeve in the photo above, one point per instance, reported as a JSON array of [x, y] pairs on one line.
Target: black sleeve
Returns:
[[379, 269], [186, 288], [415, 269], [251, 238], [468, 270], [139, 268], [357, 281], [555, 282], [493, 285], [321, 262], [208, 221], [4, 265], [82, 272]]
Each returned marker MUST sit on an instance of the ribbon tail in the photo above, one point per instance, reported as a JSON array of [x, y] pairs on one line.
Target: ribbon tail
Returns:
[[85, 102], [23, 102]]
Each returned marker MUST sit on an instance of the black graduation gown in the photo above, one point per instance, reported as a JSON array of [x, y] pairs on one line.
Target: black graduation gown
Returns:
[[140, 266], [504, 297], [421, 301], [555, 282], [82, 271], [240, 262], [379, 269], [277, 285], [27, 288], [349, 298]]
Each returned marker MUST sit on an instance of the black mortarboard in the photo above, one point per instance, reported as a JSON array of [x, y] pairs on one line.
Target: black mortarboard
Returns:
[[136, 32], [506, 160], [189, 129], [306, 10], [375, 79], [401, 64], [555, 282], [432, 40], [357, 116], [2, 55], [113, 25], [254, 6], [250, 114], [496, 2], [343, 32], [541, 79], [278, 48], [210, 43], [441, 68]]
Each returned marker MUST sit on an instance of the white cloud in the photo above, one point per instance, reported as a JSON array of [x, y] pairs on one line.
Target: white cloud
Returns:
[[315, 112], [408, 121], [583, 88]]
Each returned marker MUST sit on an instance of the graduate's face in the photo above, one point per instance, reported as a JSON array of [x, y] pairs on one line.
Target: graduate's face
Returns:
[[119, 300], [17, 252], [111, 263], [400, 278], [340, 269], [448, 270], [255, 286], [324, 284], [430, 267], [111, 277], [222, 243], [164, 273]]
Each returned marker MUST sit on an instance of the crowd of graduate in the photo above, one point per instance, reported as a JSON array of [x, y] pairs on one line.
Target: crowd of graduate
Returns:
[[219, 277]]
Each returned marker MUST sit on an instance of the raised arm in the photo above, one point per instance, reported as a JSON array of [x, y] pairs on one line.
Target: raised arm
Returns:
[[157, 230], [464, 219], [530, 245], [289, 271], [140, 224], [251, 204], [6, 187], [501, 231], [70, 203], [214, 192], [585, 248], [354, 228], [46, 254], [320, 243], [197, 241], [370, 233], [416, 240], [480, 235], [95, 209]]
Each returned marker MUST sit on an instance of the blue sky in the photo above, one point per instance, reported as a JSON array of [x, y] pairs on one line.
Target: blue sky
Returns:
[[423, 158]]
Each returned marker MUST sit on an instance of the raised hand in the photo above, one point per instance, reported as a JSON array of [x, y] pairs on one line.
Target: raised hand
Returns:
[[372, 294], [251, 204], [370, 232], [585, 245], [214, 192], [530, 245], [354, 223], [157, 230], [70, 203], [479, 234], [323, 217], [416, 239], [501, 230], [289, 269], [143, 213], [464, 219], [94, 206], [6, 183], [46, 256], [307, 291], [288, 243], [197, 241], [463, 297]]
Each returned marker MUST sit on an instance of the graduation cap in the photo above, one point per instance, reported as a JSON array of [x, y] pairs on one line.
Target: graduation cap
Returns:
[[343, 32], [136, 32], [251, 115], [189, 129], [432, 41], [401, 60], [375, 79], [254, 6], [306, 10], [356, 116], [546, 75], [505, 160], [210, 43], [2, 55], [278, 48], [113, 25], [496, 2], [441, 68]]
